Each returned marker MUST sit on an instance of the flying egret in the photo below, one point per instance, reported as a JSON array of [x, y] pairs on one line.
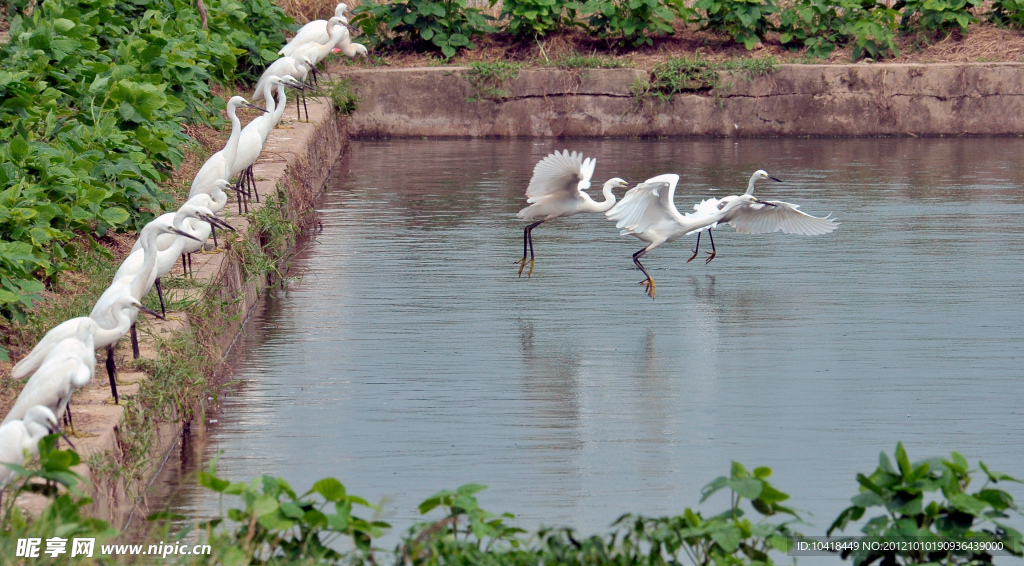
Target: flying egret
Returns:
[[556, 190], [313, 32], [114, 326], [136, 286], [708, 205], [69, 366], [17, 437], [219, 164], [755, 216]]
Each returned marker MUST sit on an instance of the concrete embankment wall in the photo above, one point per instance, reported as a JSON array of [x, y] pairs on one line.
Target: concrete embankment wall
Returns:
[[818, 100]]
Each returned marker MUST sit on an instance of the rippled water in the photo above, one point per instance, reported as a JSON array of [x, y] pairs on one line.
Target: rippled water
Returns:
[[410, 358]]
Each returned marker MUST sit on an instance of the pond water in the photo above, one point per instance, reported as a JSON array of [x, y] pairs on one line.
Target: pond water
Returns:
[[410, 357]]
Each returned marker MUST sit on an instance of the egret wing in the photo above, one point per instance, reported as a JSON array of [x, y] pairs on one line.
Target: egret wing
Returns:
[[777, 216], [641, 207], [704, 208], [560, 173]]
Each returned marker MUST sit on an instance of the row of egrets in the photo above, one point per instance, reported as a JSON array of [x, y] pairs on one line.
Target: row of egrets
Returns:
[[64, 359], [648, 210]]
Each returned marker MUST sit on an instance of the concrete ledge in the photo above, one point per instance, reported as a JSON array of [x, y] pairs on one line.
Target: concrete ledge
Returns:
[[819, 100]]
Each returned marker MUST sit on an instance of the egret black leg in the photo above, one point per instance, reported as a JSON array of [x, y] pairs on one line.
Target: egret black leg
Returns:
[[184, 266], [160, 293], [647, 283], [112, 371], [69, 423], [528, 244], [696, 248], [304, 107], [252, 181], [213, 231], [135, 343], [711, 254]]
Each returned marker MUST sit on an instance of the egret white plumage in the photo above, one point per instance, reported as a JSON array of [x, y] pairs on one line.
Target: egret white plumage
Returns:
[[313, 32], [120, 310], [69, 366], [298, 67], [218, 166], [556, 190], [256, 132], [337, 31], [754, 216], [135, 286], [18, 437], [168, 245], [648, 212]]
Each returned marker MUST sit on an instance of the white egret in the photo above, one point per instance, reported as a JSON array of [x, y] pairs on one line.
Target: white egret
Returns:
[[297, 66], [203, 230], [121, 311], [648, 212], [17, 437], [69, 366], [754, 216], [556, 190], [168, 245], [256, 132], [313, 32], [316, 52], [136, 286], [219, 164]]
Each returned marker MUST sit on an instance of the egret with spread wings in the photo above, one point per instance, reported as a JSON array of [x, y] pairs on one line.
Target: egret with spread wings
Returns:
[[556, 190]]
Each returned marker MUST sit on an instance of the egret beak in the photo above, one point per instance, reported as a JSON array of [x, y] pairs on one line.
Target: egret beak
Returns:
[[254, 106], [150, 312], [216, 221], [766, 203], [774, 179], [180, 233], [299, 85]]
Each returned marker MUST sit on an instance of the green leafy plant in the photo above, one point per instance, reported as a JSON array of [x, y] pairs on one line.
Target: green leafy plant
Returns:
[[633, 22], [929, 500], [488, 79], [537, 18], [447, 26], [746, 21], [276, 523], [344, 98], [937, 16], [821, 26], [1007, 13], [698, 75]]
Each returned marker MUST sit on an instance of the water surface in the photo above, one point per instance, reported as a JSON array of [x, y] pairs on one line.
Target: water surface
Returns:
[[411, 358]]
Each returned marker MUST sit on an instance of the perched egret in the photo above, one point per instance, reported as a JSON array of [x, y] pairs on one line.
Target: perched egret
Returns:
[[219, 164], [121, 312], [168, 246], [256, 132], [316, 52], [135, 286], [16, 437], [298, 67], [69, 366], [313, 32], [202, 230], [556, 190]]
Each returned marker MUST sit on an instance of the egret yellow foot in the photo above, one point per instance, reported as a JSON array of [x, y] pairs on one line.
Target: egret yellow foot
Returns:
[[694, 256], [522, 265], [76, 434], [648, 286], [711, 256]]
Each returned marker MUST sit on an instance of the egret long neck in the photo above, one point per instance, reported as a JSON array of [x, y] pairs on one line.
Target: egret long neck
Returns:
[[750, 185], [140, 283], [609, 198], [271, 121], [231, 148]]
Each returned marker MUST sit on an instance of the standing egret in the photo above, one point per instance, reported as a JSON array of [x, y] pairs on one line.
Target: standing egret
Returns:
[[556, 190], [297, 66], [121, 311], [318, 51], [199, 231], [69, 366], [215, 201], [168, 246], [256, 132], [135, 286], [17, 437], [219, 164], [313, 32]]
